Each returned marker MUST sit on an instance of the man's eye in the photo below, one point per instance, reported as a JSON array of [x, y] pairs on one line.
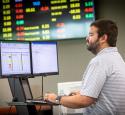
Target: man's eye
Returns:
[[91, 35]]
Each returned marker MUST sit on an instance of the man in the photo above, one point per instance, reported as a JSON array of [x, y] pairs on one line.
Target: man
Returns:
[[103, 88]]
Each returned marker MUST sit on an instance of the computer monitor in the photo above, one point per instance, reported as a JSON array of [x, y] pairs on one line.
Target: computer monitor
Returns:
[[44, 58], [15, 59]]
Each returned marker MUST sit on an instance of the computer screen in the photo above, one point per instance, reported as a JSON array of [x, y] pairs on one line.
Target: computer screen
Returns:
[[44, 58], [15, 59], [40, 20]]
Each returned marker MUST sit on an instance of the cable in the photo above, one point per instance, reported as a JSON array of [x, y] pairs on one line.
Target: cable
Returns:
[[42, 96], [14, 90]]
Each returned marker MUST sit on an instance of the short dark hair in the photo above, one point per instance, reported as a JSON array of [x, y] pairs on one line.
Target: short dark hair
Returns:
[[107, 27]]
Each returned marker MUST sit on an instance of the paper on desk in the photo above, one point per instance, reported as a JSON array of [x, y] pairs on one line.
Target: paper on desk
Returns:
[[65, 88]]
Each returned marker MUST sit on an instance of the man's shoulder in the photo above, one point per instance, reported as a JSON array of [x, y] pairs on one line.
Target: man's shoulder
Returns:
[[101, 59]]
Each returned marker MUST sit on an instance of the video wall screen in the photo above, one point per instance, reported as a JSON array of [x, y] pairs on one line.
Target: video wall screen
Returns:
[[39, 20]]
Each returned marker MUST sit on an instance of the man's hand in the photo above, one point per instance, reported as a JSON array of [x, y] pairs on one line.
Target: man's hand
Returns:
[[50, 97]]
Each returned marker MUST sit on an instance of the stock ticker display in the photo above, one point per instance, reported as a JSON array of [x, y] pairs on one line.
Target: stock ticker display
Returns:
[[39, 20]]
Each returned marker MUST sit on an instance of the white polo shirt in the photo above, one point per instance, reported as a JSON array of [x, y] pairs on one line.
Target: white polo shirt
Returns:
[[104, 79]]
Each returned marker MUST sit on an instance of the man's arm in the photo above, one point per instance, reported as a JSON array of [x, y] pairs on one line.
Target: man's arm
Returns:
[[75, 101]]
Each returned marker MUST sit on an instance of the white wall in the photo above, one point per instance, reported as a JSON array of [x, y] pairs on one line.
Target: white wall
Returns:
[[73, 56]]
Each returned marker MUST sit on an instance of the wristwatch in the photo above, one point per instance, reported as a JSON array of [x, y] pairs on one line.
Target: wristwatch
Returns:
[[58, 99]]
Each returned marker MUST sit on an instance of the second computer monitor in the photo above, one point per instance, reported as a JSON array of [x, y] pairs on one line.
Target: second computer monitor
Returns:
[[44, 58]]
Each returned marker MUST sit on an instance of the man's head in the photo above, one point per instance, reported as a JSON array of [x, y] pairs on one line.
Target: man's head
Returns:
[[102, 34]]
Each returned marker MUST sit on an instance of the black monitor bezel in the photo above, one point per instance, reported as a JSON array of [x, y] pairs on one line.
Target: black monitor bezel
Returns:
[[46, 73], [23, 75]]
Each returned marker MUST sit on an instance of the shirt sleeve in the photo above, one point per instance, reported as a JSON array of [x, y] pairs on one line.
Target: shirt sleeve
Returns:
[[94, 79]]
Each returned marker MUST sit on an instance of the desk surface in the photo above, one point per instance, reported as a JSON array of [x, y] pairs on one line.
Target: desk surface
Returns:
[[12, 109], [19, 103], [40, 106]]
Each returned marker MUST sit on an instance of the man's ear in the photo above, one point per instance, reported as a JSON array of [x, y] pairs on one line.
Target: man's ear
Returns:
[[104, 38]]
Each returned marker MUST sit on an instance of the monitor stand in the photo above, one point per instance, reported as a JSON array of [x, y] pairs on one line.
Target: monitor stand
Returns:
[[21, 92]]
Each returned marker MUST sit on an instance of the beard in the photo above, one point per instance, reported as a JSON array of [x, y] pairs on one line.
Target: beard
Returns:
[[93, 47]]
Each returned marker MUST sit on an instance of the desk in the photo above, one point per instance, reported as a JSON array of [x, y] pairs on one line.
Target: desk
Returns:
[[40, 109]]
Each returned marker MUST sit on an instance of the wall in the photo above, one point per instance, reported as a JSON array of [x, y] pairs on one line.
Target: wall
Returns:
[[73, 56]]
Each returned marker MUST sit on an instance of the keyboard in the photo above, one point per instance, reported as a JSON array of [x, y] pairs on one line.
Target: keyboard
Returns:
[[36, 101], [41, 101]]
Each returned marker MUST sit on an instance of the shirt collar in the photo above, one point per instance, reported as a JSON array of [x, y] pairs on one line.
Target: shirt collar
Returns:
[[108, 50]]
